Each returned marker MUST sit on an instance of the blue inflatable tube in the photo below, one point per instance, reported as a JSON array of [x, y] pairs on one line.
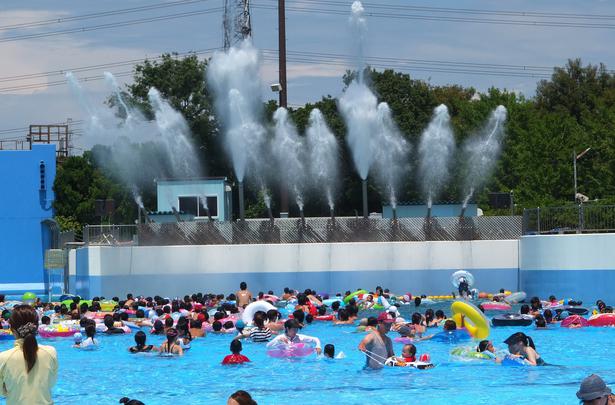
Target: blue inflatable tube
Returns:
[[455, 336], [330, 301]]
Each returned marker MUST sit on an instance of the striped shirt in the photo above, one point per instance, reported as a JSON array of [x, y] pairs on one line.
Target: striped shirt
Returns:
[[260, 335]]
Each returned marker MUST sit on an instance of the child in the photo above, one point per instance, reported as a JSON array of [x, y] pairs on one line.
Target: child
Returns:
[[90, 342], [236, 357], [486, 347], [329, 352]]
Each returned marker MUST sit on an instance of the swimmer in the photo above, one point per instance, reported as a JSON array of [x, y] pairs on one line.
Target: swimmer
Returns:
[[244, 296], [540, 322], [377, 346], [408, 354], [440, 317], [342, 318], [329, 352], [290, 335], [521, 345], [235, 357], [240, 398], [111, 329], [171, 347], [90, 341], [486, 347], [141, 347], [196, 329], [260, 333]]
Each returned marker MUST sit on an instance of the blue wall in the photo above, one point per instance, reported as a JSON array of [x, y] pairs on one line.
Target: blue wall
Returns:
[[437, 210], [23, 237]]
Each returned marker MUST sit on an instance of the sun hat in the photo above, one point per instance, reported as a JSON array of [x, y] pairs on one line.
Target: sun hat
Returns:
[[385, 317], [593, 387]]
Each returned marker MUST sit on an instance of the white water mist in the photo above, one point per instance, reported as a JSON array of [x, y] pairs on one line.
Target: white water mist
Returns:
[[481, 152], [435, 151], [323, 156]]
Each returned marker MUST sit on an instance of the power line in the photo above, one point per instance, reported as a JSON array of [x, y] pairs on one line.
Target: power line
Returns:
[[420, 17], [88, 16], [111, 25]]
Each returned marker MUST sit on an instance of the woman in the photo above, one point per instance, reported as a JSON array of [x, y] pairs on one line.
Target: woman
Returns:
[[240, 398], [28, 371], [260, 333], [290, 336], [141, 347], [171, 347], [521, 345]]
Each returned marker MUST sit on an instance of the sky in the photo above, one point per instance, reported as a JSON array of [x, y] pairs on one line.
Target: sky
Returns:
[[443, 51]]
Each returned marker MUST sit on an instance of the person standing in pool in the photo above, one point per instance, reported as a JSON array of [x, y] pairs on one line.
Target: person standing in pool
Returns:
[[377, 346], [594, 391], [28, 371], [290, 336], [521, 345], [244, 296]]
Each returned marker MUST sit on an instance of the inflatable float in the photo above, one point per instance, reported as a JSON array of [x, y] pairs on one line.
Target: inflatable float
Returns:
[[495, 306], [469, 353], [574, 321], [602, 320], [516, 297], [248, 314], [293, 350], [421, 365], [474, 320], [511, 320]]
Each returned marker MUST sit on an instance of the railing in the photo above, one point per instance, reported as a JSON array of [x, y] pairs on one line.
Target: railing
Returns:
[[581, 218], [310, 230]]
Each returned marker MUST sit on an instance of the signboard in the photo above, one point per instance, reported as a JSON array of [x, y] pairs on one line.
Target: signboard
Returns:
[[55, 259]]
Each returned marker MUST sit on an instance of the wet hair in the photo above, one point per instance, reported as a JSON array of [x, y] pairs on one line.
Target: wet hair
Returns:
[[552, 298], [299, 315], [196, 324], [416, 318], [243, 398], [450, 325], [90, 331], [45, 320], [329, 350], [322, 310], [236, 346], [309, 318], [171, 336], [535, 303], [140, 313], [140, 339], [417, 301], [24, 323], [372, 321], [228, 325], [83, 307], [243, 286], [292, 324], [158, 326], [273, 315], [168, 322], [219, 315], [440, 314], [128, 401], [548, 315], [108, 321], [302, 299], [525, 309], [541, 322], [216, 326], [482, 346], [259, 319], [412, 348], [335, 305], [520, 337], [342, 315]]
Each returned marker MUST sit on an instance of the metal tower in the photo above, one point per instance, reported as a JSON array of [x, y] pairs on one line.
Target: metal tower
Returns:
[[236, 22]]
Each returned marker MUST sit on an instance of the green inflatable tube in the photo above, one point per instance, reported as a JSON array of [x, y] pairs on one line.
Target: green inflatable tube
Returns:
[[351, 296]]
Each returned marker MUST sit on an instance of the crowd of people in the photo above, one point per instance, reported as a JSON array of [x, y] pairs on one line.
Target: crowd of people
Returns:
[[29, 371]]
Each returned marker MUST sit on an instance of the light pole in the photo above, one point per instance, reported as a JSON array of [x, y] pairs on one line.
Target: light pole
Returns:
[[576, 157]]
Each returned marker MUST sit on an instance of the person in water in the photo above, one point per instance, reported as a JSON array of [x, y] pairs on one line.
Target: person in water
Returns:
[[377, 346], [90, 341], [141, 347], [244, 296], [486, 347], [329, 352], [235, 357], [521, 345], [594, 391], [171, 346], [240, 398], [290, 335]]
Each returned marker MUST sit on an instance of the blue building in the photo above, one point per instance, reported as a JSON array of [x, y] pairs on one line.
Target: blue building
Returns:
[[26, 184], [437, 210], [189, 197]]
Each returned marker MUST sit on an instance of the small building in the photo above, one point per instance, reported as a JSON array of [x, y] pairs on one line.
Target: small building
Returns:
[[192, 198], [28, 230], [419, 210]]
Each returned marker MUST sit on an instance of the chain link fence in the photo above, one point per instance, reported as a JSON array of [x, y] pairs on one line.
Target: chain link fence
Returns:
[[581, 218], [309, 230]]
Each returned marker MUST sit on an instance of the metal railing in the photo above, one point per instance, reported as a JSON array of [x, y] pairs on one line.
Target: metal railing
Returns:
[[581, 218], [310, 230]]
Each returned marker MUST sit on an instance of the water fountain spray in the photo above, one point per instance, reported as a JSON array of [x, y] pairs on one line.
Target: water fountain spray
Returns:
[[481, 152], [435, 151]]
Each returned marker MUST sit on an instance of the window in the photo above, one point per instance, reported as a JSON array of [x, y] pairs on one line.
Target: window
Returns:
[[194, 206]]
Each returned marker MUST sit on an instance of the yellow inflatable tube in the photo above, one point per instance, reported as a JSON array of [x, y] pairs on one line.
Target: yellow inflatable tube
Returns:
[[474, 320]]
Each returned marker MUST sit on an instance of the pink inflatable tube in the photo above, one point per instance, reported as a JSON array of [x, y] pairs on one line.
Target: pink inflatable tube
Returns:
[[574, 321], [295, 350], [495, 306], [403, 339], [50, 334]]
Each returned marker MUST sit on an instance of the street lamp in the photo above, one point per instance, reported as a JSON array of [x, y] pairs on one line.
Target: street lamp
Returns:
[[576, 157]]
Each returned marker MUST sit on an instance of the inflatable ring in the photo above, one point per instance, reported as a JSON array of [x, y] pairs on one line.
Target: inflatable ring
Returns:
[[458, 275], [469, 353], [248, 313], [511, 320], [516, 298], [328, 302], [602, 320], [351, 296], [479, 324], [108, 306]]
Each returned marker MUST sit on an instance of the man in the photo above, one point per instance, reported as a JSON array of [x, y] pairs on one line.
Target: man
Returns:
[[244, 297], [377, 346], [594, 391]]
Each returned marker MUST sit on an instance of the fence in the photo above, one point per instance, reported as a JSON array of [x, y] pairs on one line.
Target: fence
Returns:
[[309, 230], [581, 218]]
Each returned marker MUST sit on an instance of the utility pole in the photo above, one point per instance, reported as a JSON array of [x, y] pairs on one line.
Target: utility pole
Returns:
[[283, 90]]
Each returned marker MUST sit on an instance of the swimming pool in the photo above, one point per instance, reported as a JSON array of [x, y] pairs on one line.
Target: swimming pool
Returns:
[[106, 375]]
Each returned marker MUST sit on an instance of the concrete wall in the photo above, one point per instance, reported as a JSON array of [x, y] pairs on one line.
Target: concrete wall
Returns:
[[23, 237], [569, 266], [168, 193], [416, 267], [437, 210]]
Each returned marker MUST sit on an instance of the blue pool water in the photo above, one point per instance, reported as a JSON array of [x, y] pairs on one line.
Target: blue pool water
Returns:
[[104, 376]]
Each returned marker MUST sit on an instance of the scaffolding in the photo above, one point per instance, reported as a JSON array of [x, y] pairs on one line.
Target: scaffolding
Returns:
[[57, 134]]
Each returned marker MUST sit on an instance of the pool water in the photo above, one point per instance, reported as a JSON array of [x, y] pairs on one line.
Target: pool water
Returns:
[[106, 375]]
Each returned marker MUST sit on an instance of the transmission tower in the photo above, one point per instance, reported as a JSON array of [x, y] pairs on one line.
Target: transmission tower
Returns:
[[236, 22]]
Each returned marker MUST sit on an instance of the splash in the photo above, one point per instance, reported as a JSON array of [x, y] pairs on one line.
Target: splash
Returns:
[[482, 150], [113, 84], [323, 155], [435, 151], [287, 147]]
